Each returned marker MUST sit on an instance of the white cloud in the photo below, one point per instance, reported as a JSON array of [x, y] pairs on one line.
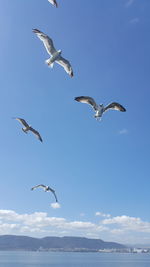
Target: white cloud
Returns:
[[129, 223], [101, 214], [81, 225], [8, 227], [39, 224], [55, 205], [117, 231], [123, 229], [123, 131], [129, 3]]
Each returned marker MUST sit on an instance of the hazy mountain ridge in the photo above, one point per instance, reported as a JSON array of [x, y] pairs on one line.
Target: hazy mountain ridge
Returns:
[[13, 242]]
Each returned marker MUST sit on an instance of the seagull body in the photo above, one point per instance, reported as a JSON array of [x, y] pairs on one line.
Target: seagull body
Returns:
[[55, 55], [46, 189], [53, 2], [28, 128], [99, 108]]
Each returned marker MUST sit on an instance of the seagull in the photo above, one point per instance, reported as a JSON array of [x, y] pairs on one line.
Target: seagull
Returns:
[[55, 55], [28, 128], [99, 109], [53, 2], [46, 189]]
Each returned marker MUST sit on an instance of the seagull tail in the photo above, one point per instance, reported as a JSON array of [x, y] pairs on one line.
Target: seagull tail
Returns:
[[48, 62]]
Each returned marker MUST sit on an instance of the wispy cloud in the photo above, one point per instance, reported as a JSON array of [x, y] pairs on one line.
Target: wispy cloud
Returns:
[[129, 3], [123, 131], [101, 214], [82, 214], [134, 20]]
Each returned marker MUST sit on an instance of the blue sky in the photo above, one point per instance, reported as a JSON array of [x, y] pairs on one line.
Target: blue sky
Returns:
[[100, 170]]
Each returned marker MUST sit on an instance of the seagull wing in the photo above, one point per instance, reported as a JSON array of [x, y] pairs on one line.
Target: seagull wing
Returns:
[[53, 191], [55, 196], [87, 100], [36, 133], [115, 106], [47, 41], [53, 2], [40, 185], [22, 121], [66, 65]]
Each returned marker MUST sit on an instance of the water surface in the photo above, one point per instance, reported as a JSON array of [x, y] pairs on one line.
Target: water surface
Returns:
[[65, 259]]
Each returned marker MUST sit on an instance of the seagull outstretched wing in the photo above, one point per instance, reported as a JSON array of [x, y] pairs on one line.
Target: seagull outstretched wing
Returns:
[[115, 106], [87, 100], [53, 191], [66, 65], [48, 188], [47, 41], [53, 2], [22, 121], [36, 133], [39, 185]]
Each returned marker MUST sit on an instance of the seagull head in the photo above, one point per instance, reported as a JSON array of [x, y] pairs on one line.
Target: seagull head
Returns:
[[101, 108], [47, 188], [59, 51]]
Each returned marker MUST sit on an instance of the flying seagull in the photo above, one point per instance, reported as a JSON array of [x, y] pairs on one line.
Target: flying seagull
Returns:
[[99, 109], [46, 189], [53, 2], [28, 128], [55, 55]]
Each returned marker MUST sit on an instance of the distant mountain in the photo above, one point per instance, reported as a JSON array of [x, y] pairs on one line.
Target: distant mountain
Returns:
[[67, 243]]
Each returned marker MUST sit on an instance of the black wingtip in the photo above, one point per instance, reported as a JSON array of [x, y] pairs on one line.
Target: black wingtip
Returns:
[[35, 30], [77, 98], [123, 109], [71, 74]]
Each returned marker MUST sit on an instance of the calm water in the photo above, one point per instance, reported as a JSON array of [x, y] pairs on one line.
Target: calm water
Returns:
[[45, 259]]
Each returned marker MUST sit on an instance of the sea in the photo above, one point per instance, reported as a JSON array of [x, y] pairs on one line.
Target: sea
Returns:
[[73, 259]]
